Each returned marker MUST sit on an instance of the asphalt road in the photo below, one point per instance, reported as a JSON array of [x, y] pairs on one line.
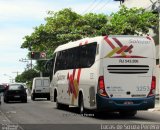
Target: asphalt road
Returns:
[[42, 114]]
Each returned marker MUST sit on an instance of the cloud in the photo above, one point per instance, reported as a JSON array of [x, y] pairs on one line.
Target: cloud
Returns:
[[11, 39], [18, 10], [10, 52]]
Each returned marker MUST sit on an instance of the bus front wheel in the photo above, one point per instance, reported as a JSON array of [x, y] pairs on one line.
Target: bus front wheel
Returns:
[[58, 105]]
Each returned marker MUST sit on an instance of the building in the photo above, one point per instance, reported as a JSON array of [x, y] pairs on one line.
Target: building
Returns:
[[152, 5]]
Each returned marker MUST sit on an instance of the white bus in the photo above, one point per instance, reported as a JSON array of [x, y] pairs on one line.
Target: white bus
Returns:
[[105, 73]]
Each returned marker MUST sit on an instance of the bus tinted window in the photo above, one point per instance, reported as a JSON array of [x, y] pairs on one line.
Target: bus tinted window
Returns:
[[77, 57]]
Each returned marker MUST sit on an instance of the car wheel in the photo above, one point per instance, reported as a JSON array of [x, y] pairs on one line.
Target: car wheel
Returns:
[[5, 100], [32, 97], [24, 101]]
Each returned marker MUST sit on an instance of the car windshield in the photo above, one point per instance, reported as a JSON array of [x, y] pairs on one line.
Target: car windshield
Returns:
[[16, 87]]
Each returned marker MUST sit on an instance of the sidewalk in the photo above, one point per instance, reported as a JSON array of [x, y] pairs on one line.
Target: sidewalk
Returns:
[[157, 107]]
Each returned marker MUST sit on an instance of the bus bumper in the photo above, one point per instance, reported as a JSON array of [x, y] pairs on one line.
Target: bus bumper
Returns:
[[118, 104]]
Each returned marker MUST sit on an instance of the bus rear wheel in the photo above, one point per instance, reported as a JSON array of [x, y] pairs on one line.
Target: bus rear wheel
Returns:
[[81, 105], [128, 113]]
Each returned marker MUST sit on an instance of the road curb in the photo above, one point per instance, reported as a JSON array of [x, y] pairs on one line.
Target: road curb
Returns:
[[154, 109]]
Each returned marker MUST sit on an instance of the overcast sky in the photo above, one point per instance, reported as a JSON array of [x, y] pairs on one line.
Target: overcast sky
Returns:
[[18, 17]]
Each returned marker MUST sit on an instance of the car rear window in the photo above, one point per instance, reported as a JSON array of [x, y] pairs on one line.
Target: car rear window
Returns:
[[46, 82], [16, 87]]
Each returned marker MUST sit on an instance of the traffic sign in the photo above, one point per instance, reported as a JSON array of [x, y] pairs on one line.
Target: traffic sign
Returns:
[[43, 55], [38, 55]]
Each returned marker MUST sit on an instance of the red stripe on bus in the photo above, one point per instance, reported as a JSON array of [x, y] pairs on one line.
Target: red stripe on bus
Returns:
[[78, 76], [128, 57], [129, 49], [109, 42], [118, 42], [74, 71], [122, 49]]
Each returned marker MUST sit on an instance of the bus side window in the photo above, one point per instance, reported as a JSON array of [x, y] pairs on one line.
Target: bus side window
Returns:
[[87, 55], [83, 58], [69, 59], [61, 61], [57, 65], [91, 54], [64, 61], [72, 58], [49, 66], [76, 57]]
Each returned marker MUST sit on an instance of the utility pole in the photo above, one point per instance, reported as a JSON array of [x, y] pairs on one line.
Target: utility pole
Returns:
[[31, 63], [16, 73], [30, 49], [27, 60], [158, 9], [10, 78]]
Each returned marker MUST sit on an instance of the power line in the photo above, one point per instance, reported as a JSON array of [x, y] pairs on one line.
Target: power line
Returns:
[[104, 5], [96, 5], [93, 2], [17, 73], [92, 6]]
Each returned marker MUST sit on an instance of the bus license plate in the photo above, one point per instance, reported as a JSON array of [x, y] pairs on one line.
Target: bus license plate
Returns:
[[128, 102]]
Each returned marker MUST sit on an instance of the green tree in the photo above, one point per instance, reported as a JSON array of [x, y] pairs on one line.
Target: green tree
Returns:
[[132, 21], [66, 25], [27, 76]]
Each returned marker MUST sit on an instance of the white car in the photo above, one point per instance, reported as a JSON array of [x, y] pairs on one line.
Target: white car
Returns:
[[40, 88]]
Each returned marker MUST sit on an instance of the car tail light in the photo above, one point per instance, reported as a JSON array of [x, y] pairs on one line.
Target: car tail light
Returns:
[[153, 87], [101, 86], [7, 87]]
